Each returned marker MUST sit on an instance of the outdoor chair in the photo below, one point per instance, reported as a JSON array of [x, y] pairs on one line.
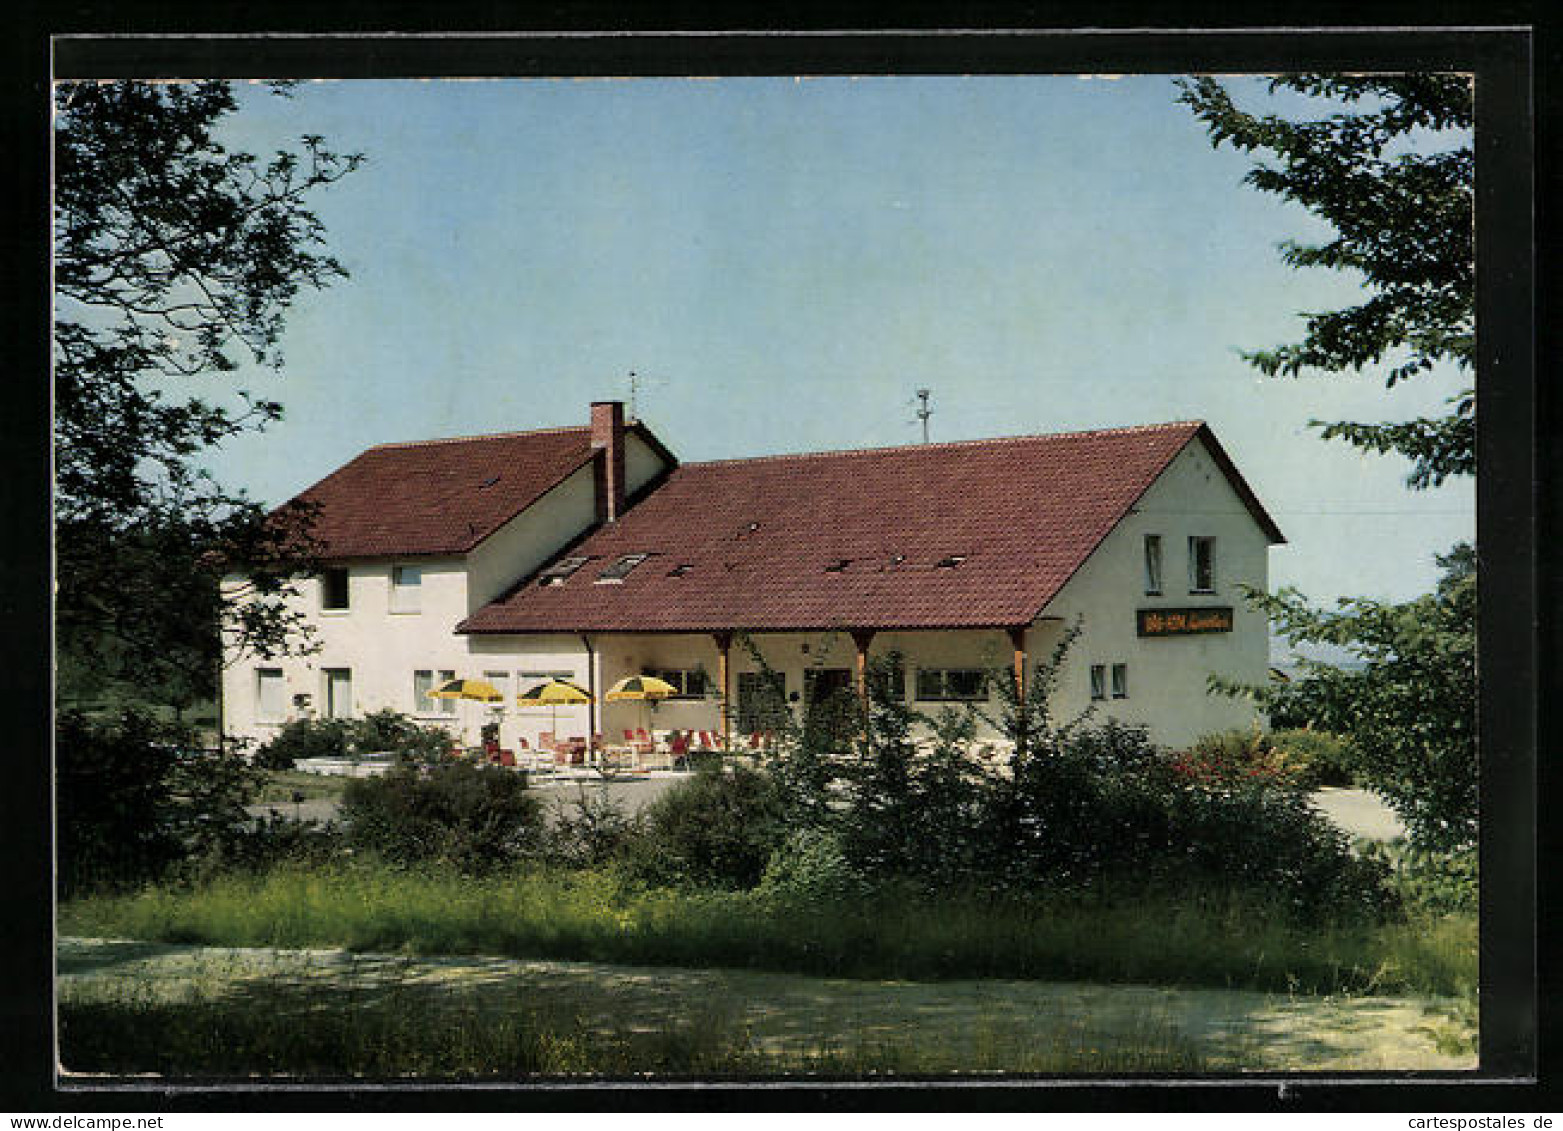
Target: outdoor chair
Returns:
[[507, 758]]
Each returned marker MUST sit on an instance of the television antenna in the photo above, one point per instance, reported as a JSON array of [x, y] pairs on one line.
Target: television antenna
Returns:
[[923, 411], [638, 382]]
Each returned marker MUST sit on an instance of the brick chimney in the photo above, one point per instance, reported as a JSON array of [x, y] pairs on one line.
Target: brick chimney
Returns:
[[608, 439]]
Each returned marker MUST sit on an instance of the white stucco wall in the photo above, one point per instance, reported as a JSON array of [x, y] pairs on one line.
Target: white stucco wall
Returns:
[[531, 538], [379, 647], [1168, 675], [548, 525]]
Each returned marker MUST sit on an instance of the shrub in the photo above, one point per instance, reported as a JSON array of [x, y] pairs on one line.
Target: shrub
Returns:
[[305, 738], [134, 795], [1238, 757], [1437, 883], [1319, 758], [263, 844], [717, 827], [810, 867], [407, 740], [590, 831], [473, 817]]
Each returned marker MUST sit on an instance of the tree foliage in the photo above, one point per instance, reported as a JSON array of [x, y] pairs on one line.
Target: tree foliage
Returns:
[[175, 260], [1410, 709], [1394, 178]]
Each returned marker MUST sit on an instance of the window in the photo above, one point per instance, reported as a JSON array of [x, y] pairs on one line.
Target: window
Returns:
[[620, 569], [270, 695], [951, 684], [339, 692], [500, 681], [691, 682], [406, 587], [1153, 564], [1202, 565], [1098, 681], [560, 571], [949, 562], [1120, 681], [333, 590], [425, 681]]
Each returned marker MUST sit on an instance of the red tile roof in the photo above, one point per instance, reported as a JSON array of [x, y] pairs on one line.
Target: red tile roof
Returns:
[[759, 537], [439, 496]]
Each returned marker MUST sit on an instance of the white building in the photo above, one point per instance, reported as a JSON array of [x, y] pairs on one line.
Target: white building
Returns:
[[591, 554]]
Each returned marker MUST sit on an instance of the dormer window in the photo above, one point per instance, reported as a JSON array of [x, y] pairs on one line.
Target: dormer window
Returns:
[[560, 571], [620, 569], [680, 570]]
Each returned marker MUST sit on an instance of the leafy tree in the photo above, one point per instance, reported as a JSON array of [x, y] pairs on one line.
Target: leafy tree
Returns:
[[174, 259], [1410, 710], [1394, 178]]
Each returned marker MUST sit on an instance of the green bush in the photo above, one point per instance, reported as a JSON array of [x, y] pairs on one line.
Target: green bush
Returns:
[[473, 817], [1239, 757], [394, 732], [134, 795], [591, 831], [1431, 882], [810, 867], [265, 843], [1318, 757], [305, 738], [717, 827]]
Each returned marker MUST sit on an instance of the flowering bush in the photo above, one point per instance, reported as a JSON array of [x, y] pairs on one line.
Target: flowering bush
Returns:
[[1238, 759]]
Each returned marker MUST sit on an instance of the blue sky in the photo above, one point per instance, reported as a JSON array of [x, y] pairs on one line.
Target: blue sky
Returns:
[[786, 261]]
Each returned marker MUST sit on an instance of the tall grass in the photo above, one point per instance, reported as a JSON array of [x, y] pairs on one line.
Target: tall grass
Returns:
[[1195, 938]]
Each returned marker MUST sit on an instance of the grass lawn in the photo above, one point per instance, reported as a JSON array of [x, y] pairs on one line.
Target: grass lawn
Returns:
[[180, 1011], [1192, 938]]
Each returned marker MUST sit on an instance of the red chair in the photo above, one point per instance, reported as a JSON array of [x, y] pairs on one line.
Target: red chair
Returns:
[[754, 740], [507, 757]]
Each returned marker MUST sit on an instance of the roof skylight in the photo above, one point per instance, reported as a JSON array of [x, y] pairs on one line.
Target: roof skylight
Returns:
[[560, 571], [950, 561], [620, 569]]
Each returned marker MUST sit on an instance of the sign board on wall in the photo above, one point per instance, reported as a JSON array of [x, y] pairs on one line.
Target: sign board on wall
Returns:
[[1183, 622]]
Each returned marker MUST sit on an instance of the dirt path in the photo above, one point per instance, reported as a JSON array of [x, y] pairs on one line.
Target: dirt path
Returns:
[[1237, 1030]]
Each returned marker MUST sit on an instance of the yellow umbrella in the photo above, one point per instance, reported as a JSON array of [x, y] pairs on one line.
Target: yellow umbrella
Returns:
[[467, 689], [551, 695], [641, 687]]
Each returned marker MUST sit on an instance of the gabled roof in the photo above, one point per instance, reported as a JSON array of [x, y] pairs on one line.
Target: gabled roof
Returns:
[[974, 534], [442, 496]]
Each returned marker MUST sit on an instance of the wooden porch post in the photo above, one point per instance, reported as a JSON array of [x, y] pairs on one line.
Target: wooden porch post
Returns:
[[1017, 639], [724, 641], [862, 637]]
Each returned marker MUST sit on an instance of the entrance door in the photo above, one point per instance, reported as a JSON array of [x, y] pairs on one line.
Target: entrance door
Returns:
[[762, 703], [820, 684]]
